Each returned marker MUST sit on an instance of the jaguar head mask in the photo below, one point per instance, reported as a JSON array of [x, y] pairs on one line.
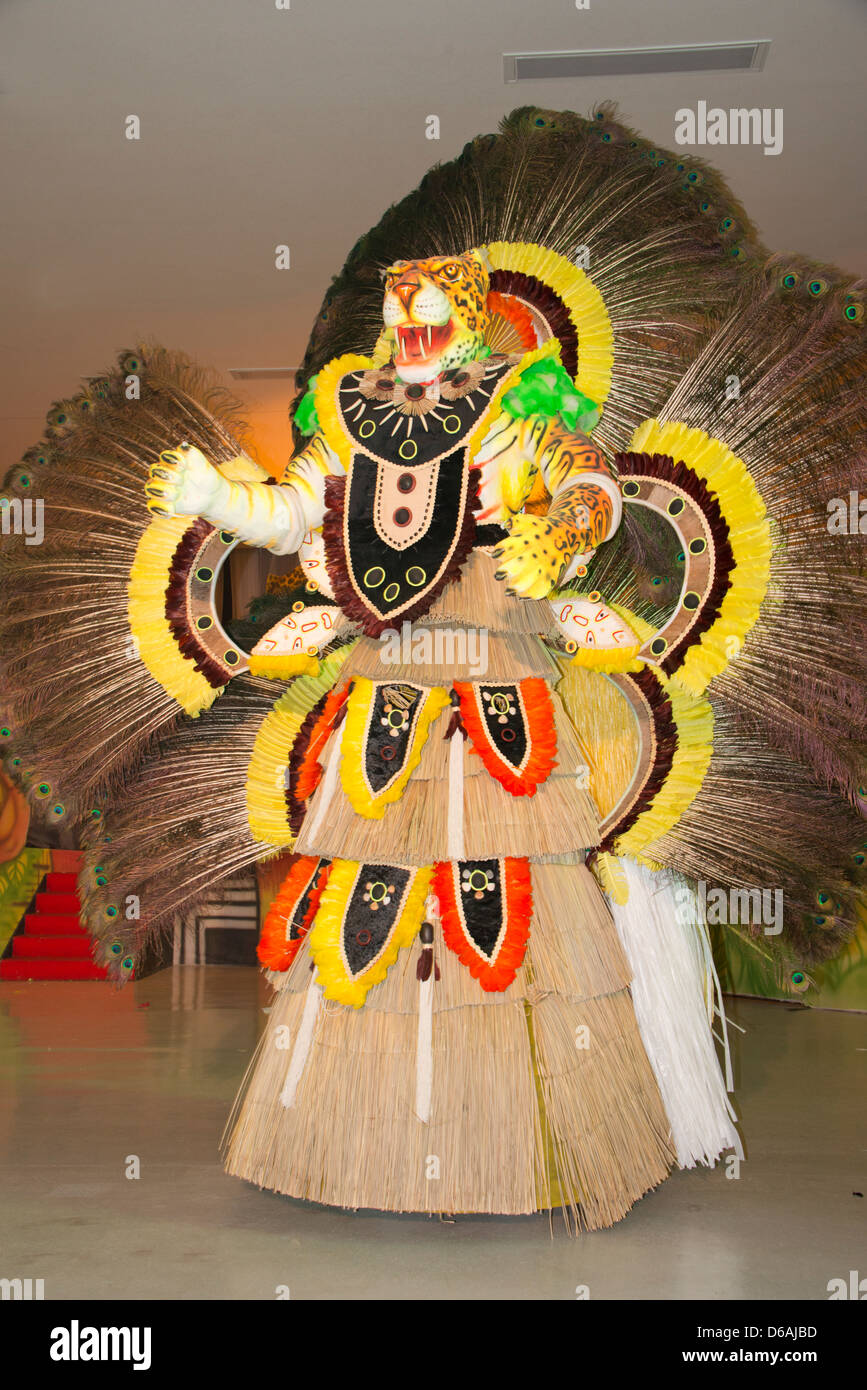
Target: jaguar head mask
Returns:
[[435, 313]]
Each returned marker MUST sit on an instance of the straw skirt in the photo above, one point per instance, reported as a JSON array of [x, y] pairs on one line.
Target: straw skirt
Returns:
[[535, 1096]]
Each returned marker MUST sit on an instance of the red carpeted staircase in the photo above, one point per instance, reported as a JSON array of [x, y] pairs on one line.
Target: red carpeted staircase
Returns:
[[53, 945]]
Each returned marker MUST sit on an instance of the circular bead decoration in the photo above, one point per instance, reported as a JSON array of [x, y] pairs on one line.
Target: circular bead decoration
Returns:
[[367, 428], [698, 546], [478, 880], [631, 489], [676, 506], [408, 449], [402, 516], [451, 424], [231, 657], [204, 573], [363, 937], [415, 576], [377, 892], [405, 483], [391, 592], [204, 623], [658, 646], [374, 577], [691, 600]]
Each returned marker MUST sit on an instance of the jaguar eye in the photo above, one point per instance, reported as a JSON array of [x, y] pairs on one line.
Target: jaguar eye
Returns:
[[451, 271]]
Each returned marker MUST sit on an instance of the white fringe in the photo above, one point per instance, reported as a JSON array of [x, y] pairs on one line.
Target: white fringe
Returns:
[[455, 831], [301, 1050], [424, 1049], [665, 939]]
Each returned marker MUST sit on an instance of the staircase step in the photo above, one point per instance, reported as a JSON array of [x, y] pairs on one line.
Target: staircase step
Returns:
[[51, 970], [57, 902], [52, 947], [61, 883], [53, 924]]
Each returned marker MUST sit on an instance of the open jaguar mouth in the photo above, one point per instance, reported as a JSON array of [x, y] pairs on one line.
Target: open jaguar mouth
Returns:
[[418, 343]]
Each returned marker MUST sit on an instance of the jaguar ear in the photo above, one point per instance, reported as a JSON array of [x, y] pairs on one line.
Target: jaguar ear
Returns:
[[481, 255]]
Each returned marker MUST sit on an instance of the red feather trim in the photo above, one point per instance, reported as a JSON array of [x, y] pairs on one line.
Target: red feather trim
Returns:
[[541, 733], [275, 950], [309, 768], [517, 314], [497, 974]]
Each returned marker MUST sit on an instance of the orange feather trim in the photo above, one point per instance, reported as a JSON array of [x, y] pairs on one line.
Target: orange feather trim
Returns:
[[276, 950], [310, 768], [537, 710], [517, 314], [496, 971]]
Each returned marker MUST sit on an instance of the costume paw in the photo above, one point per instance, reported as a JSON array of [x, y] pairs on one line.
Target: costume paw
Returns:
[[529, 560], [182, 483]]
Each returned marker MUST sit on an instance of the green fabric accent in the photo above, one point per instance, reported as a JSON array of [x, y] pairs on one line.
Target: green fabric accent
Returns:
[[546, 388], [305, 416]]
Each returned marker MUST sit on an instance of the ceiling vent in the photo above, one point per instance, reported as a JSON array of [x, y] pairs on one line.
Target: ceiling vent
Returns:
[[747, 56]]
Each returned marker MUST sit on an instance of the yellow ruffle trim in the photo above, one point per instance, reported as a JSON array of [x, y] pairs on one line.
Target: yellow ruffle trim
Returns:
[[326, 935], [582, 299], [267, 812], [608, 660], [146, 613], [325, 401], [283, 667], [749, 537], [359, 708], [693, 717]]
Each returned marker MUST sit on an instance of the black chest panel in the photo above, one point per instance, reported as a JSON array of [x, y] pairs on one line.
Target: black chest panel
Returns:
[[390, 580], [384, 432]]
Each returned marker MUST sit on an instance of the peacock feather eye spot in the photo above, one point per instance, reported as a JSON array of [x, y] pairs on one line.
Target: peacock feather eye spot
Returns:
[[680, 557], [24, 479], [704, 207], [820, 921], [5, 732], [96, 814], [859, 858], [823, 899], [726, 224], [58, 810], [43, 789], [789, 281], [111, 913], [127, 963], [797, 977], [606, 136], [116, 947], [854, 312], [817, 287], [656, 580]]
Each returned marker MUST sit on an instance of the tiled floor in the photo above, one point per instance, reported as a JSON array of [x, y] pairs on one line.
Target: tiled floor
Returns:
[[90, 1078]]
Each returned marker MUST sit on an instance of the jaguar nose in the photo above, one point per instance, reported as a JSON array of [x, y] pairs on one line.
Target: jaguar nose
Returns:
[[406, 291]]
